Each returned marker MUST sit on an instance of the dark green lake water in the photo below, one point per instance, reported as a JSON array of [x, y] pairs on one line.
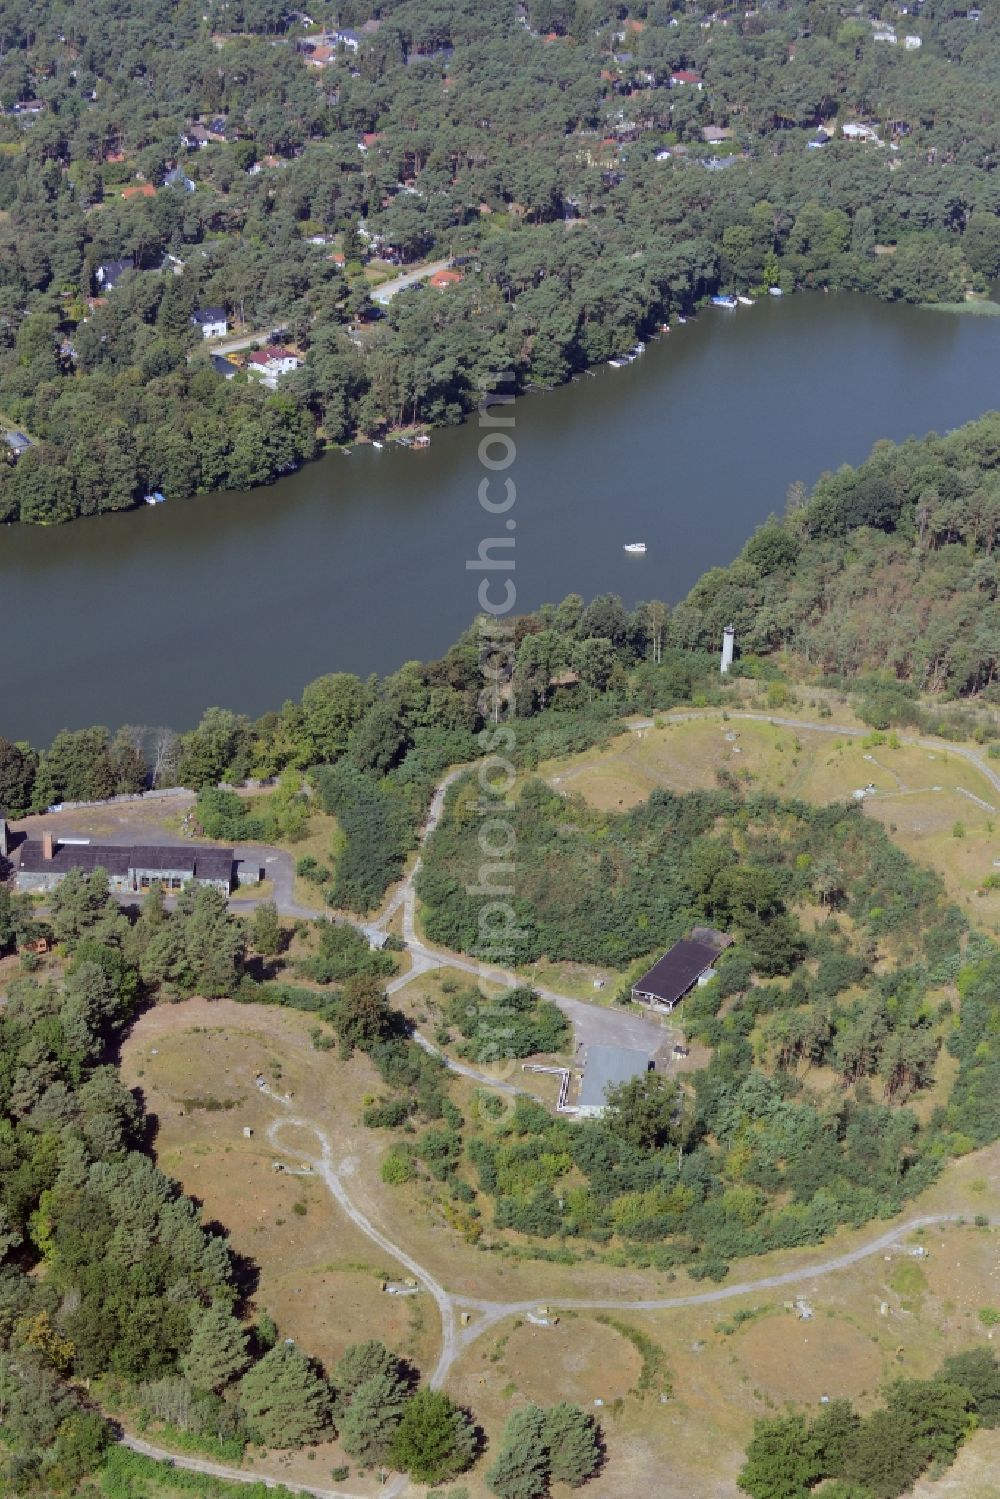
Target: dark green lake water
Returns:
[[358, 562]]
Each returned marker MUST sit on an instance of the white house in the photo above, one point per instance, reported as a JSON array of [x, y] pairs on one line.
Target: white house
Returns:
[[855, 131], [211, 321], [911, 42], [273, 362], [349, 39]]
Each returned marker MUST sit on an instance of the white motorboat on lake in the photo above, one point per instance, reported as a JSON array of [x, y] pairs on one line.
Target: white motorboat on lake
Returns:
[[635, 547]]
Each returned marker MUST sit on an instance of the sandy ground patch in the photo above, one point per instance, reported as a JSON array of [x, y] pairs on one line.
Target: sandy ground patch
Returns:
[[799, 1361]]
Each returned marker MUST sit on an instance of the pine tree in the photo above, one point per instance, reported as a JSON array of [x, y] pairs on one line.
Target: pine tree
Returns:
[[265, 932], [217, 1352], [360, 1362], [435, 1439], [521, 1471], [977, 1371], [285, 1401], [572, 1440], [369, 1424]]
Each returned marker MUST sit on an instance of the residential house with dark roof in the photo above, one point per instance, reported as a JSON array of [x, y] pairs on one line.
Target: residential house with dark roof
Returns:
[[179, 178], [433, 54], [196, 137], [17, 442], [110, 272], [211, 320]]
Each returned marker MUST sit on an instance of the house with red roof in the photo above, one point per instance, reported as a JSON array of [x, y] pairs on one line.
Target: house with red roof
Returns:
[[273, 362]]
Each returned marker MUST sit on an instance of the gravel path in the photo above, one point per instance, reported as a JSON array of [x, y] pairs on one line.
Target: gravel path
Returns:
[[487, 1313]]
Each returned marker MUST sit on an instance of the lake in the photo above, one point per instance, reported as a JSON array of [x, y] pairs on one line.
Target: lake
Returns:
[[357, 562]]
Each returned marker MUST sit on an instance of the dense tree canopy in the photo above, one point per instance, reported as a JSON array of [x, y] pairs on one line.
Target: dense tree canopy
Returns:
[[590, 178]]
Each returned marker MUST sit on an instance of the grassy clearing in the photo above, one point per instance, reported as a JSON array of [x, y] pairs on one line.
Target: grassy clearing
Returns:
[[726, 1363], [322, 842], [923, 796], [973, 1475], [197, 1064]]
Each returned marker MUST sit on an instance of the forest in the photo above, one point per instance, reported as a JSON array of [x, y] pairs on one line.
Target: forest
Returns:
[[115, 1296], [591, 169], [840, 969]]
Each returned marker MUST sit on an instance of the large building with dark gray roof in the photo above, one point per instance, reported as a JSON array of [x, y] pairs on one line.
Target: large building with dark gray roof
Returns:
[[41, 863], [685, 965]]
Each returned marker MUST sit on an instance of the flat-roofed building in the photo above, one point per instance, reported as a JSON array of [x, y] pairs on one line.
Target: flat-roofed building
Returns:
[[607, 1067]]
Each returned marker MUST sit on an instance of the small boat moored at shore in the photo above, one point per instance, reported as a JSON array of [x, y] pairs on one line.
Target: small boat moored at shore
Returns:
[[629, 358], [723, 301], [775, 291], [635, 547], [156, 498], [745, 301]]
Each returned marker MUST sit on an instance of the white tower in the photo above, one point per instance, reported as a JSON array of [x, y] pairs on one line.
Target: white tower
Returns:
[[728, 640]]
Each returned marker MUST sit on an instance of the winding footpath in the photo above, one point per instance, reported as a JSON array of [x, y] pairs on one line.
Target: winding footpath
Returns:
[[455, 1338], [591, 1022], [849, 731]]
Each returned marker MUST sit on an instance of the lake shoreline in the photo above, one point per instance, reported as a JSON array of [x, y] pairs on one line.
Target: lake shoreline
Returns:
[[358, 566], [362, 442]]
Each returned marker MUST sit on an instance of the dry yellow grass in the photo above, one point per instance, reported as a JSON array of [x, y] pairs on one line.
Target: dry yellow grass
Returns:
[[319, 1275], [920, 794]]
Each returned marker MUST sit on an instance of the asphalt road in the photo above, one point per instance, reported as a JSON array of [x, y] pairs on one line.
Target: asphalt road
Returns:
[[389, 289]]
